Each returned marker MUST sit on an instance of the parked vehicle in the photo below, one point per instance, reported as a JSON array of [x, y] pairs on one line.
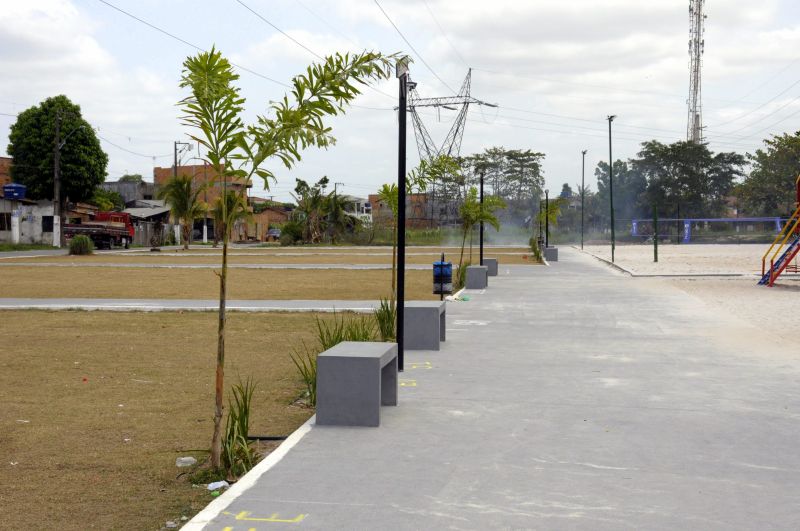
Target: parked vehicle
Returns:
[[273, 235], [106, 230]]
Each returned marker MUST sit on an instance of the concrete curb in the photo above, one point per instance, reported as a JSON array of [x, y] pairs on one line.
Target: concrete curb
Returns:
[[217, 506], [664, 275]]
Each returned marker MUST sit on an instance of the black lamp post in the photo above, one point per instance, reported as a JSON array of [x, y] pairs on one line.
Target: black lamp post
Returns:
[[402, 75], [611, 184], [583, 191], [546, 219]]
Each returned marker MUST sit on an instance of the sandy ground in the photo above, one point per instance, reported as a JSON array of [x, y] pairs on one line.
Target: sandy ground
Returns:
[[767, 313], [742, 259]]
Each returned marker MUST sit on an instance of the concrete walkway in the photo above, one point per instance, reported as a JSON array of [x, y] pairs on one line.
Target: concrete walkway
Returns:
[[568, 397]]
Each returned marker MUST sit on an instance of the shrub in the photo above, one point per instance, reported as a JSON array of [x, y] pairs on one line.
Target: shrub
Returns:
[[81, 245], [535, 250], [238, 455], [291, 233], [385, 317], [306, 362], [461, 277]]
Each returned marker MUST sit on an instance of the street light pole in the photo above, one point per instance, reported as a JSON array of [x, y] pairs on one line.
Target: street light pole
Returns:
[[402, 75], [546, 218], [481, 238], [583, 191], [611, 184]]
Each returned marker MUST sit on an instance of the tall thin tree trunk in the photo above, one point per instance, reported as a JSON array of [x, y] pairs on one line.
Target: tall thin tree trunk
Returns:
[[216, 440], [461, 258], [186, 233]]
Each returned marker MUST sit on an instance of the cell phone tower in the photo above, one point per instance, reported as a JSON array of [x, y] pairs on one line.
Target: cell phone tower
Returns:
[[697, 43]]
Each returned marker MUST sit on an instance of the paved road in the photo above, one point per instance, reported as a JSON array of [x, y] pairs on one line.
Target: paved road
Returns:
[[154, 305], [569, 397]]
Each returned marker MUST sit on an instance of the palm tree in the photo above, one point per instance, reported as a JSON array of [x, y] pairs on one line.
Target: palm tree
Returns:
[[236, 210], [184, 203], [472, 212]]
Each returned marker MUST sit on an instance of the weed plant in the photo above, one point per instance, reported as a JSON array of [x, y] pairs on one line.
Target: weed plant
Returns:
[[238, 455]]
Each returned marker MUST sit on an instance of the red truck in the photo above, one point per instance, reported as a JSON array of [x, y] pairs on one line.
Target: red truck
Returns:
[[106, 230]]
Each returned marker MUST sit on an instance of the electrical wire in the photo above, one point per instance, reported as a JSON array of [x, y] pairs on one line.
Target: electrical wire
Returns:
[[107, 141], [419, 56], [781, 93], [168, 34], [444, 34], [276, 28]]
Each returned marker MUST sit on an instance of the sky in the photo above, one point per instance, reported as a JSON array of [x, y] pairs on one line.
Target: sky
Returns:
[[556, 69]]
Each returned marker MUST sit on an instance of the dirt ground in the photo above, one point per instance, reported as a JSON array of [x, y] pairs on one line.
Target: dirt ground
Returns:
[[97, 406], [160, 283], [686, 259]]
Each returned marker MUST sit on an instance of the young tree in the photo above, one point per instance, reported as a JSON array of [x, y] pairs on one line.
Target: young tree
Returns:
[[473, 212], [107, 200], [184, 203], [234, 150]]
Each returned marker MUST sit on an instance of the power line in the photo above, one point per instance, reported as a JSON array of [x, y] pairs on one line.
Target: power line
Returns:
[[328, 24], [276, 28], [107, 141], [444, 34], [198, 48], [419, 56], [304, 47], [781, 93]]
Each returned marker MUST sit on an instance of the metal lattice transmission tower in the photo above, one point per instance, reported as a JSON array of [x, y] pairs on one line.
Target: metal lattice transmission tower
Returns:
[[443, 198], [697, 43]]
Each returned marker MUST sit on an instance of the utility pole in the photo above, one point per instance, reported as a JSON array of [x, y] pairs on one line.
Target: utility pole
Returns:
[[611, 184], [57, 225], [481, 238], [583, 190], [175, 150], [402, 75]]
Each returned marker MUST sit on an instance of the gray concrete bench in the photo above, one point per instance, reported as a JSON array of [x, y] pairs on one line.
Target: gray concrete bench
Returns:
[[354, 379], [477, 277], [424, 324], [491, 263], [551, 254]]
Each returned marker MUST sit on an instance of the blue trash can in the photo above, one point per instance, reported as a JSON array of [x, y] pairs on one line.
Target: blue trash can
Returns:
[[442, 278]]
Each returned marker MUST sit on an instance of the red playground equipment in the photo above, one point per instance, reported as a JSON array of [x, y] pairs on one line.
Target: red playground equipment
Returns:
[[787, 241]]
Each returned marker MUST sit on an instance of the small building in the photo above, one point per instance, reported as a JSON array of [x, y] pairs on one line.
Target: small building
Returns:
[[5, 171], [26, 221], [131, 191]]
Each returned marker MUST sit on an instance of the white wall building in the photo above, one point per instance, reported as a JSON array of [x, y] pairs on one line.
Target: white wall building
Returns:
[[25, 221]]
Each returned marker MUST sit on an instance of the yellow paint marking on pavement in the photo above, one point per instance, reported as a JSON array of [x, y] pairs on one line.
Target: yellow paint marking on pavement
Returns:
[[408, 383], [421, 365], [245, 516]]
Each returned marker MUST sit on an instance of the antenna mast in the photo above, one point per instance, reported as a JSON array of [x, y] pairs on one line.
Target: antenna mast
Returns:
[[694, 126]]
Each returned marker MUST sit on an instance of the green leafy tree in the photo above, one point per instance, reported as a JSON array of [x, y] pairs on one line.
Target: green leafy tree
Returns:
[[31, 146], [311, 208], [214, 110], [131, 178], [630, 186], [107, 200], [685, 179], [227, 215], [770, 188], [184, 203]]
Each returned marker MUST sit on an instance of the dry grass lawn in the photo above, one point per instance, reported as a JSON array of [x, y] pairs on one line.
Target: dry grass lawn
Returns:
[[97, 406], [364, 255], [160, 283]]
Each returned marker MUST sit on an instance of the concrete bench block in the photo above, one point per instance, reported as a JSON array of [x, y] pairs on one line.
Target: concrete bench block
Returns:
[[354, 379], [477, 277], [424, 324], [491, 263], [551, 254]]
